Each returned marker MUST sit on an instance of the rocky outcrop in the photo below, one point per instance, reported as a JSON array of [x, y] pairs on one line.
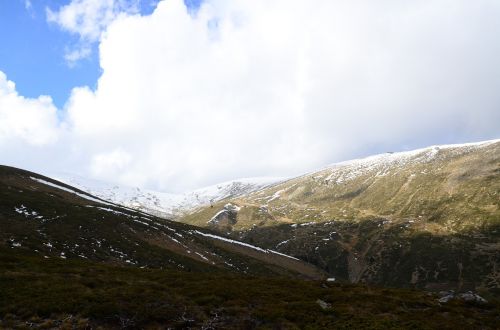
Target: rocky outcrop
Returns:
[[225, 217], [469, 297]]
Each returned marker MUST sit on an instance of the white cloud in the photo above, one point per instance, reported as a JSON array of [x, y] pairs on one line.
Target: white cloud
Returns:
[[258, 87], [108, 164], [30, 121], [251, 88], [31, 135], [88, 19], [73, 55]]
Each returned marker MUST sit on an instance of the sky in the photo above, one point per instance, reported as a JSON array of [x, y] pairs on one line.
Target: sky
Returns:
[[174, 95]]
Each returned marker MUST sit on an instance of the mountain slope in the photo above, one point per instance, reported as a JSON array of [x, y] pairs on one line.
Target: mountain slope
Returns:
[[80, 294], [58, 221], [71, 260], [427, 218], [440, 183], [162, 204]]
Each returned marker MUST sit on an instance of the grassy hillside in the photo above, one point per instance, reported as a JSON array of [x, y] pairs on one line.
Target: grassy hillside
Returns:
[[57, 221], [71, 261], [80, 294], [428, 218], [454, 187]]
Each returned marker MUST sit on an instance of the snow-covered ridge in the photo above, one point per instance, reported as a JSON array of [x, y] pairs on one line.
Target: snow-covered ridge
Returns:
[[53, 185], [381, 164], [394, 156], [171, 205], [220, 191], [160, 203]]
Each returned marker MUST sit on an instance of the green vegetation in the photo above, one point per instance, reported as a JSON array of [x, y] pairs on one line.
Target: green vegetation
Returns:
[[428, 219], [414, 227], [78, 293], [393, 254], [54, 223]]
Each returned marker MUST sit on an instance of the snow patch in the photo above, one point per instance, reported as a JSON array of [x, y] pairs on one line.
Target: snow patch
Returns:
[[275, 196], [70, 191], [202, 256], [242, 244]]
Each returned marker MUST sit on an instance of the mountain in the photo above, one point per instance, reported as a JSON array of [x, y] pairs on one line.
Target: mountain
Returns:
[[428, 218], [161, 204], [69, 259], [56, 220]]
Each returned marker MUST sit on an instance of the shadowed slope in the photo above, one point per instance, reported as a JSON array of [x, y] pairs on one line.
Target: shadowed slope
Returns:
[[58, 221]]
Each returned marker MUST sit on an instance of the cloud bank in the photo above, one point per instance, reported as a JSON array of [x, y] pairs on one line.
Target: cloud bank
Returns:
[[252, 88]]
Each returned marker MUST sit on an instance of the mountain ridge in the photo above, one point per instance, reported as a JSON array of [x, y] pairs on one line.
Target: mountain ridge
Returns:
[[280, 258], [170, 205], [162, 204], [373, 219], [58, 221]]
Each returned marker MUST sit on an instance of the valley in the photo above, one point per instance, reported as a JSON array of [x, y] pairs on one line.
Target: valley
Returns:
[[397, 240]]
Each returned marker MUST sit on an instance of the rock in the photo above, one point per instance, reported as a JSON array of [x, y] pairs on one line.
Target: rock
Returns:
[[226, 216], [323, 304], [472, 297], [447, 298], [231, 208], [469, 297]]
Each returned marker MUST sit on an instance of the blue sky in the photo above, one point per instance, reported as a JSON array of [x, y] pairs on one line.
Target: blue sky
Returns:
[[32, 50]]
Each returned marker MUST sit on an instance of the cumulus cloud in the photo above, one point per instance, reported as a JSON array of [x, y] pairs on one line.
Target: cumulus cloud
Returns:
[[30, 121], [88, 19], [31, 134], [259, 87], [252, 88]]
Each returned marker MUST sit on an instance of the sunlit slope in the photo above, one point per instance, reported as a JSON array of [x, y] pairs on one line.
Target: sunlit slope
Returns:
[[428, 218], [440, 188]]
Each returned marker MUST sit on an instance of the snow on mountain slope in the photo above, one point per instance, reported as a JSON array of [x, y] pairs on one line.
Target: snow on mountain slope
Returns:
[[171, 205], [438, 182], [386, 162], [160, 203], [228, 189], [390, 218]]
